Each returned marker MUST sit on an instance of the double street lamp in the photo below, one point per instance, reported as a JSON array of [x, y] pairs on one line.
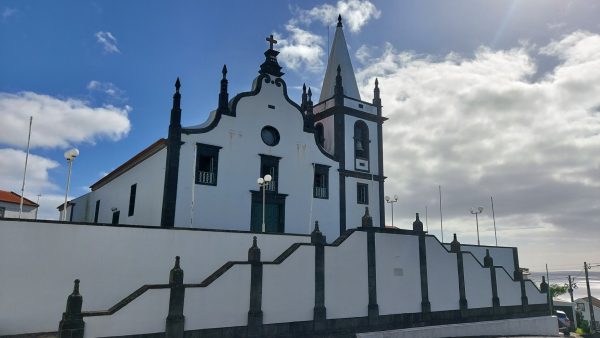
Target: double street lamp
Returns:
[[263, 182], [69, 156], [391, 202], [476, 212]]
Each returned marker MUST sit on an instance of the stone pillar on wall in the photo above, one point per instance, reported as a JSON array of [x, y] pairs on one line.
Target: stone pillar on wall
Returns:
[[373, 308], [319, 312], [425, 304], [175, 319], [488, 262], [72, 324], [255, 314], [518, 276], [455, 247]]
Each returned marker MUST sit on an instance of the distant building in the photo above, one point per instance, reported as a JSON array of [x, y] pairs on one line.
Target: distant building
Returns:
[[583, 305], [9, 206]]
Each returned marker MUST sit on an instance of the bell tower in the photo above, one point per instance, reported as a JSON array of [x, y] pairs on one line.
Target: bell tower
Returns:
[[352, 133]]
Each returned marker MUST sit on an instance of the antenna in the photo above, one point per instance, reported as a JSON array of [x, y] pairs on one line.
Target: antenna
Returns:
[[441, 225]]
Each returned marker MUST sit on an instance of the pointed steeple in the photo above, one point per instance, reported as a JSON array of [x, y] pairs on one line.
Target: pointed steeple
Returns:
[[223, 107], [339, 56], [376, 94], [304, 98]]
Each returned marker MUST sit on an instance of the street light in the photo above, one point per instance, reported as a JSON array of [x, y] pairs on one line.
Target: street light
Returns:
[[263, 182], [391, 202], [69, 156], [476, 212]]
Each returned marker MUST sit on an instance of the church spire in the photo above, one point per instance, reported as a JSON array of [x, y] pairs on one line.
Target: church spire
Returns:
[[339, 56], [223, 107], [376, 94]]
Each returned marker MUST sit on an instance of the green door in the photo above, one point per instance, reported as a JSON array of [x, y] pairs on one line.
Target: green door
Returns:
[[273, 217]]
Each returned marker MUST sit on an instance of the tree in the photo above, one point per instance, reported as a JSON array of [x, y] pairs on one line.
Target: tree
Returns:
[[557, 290]]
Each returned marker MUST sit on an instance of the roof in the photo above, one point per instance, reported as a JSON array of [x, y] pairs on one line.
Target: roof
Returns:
[[13, 197], [339, 56], [61, 206], [132, 162], [595, 301]]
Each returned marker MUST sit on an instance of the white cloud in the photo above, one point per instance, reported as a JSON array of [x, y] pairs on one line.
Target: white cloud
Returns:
[[302, 49], [110, 92], [12, 162], [482, 126], [108, 41], [58, 122], [355, 13], [8, 12]]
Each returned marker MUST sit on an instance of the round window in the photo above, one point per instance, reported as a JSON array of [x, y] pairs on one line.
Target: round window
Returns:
[[270, 136]]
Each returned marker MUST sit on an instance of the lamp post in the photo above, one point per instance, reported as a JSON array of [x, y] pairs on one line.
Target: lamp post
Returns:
[[476, 212], [391, 202], [69, 156], [263, 182]]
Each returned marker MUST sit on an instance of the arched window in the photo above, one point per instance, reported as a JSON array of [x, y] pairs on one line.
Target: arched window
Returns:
[[361, 140], [319, 131]]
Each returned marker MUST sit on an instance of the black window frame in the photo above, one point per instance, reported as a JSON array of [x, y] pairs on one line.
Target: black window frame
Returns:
[[361, 136], [207, 151], [362, 193], [72, 211], [115, 217], [320, 134], [97, 211], [321, 174], [270, 161], [2, 212], [132, 194]]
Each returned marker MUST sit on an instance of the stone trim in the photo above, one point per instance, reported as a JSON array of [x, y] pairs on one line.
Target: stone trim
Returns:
[[463, 304], [425, 304], [373, 308]]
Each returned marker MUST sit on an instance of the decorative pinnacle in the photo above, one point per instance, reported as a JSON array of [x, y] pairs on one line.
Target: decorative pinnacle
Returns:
[[376, 83], [176, 261], [177, 85], [304, 87], [339, 24], [309, 93], [455, 238], [254, 245], [76, 287], [339, 70], [316, 226], [224, 71]]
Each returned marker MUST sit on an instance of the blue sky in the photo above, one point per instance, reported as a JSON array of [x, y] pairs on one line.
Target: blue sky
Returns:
[[484, 98]]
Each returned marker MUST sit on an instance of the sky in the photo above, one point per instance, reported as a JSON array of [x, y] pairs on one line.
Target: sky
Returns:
[[484, 98]]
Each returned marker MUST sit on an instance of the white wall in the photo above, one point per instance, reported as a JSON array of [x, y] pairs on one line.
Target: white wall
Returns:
[[478, 283], [534, 296], [398, 273], [149, 176], [349, 122], [239, 167], [111, 262], [509, 291], [503, 256], [225, 302], [442, 276], [289, 288], [11, 210], [346, 284], [145, 314], [329, 134], [355, 211]]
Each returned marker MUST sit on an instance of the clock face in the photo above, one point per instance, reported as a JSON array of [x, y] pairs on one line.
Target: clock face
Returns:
[[270, 136]]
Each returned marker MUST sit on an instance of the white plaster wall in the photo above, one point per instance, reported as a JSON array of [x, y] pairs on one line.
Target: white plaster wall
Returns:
[[239, 167], [11, 210], [289, 288], [346, 285], [534, 296], [149, 176], [355, 211], [111, 262], [225, 302], [509, 291], [366, 107], [478, 283], [329, 133], [145, 314], [398, 273], [442, 276], [503, 256]]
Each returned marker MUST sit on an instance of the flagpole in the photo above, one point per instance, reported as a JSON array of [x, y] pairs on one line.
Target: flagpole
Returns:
[[441, 225], [494, 217], [25, 170]]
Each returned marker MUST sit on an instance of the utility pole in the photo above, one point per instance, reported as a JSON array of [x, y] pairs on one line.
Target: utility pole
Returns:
[[587, 283], [571, 288], [549, 293]]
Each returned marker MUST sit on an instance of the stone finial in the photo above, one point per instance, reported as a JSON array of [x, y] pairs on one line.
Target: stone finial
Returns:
[[72, 324], [223, 106], [316, 236], [488, 261], [455, 245], [417, 224], [254, 252], [339, 23], [544, 285], [177, 85], [376, 94], [176, 273], [367, 220], [224, 71]]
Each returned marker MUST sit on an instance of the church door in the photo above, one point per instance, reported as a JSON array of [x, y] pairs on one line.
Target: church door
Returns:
[[274, 213]]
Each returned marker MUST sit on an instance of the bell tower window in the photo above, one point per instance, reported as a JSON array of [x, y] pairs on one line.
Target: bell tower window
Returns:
[[361, 145]]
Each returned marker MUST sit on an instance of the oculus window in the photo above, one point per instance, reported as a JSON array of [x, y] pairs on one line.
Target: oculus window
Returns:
[[207, 164], [270, 136]]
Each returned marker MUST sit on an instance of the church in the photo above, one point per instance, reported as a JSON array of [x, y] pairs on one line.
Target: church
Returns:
[[303, 252], [324, 159]]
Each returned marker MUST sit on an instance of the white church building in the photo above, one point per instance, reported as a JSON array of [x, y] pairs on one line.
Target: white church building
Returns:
[[323, 266], [325, 160]]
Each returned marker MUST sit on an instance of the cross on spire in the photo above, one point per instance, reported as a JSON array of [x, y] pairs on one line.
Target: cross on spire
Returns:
[[271, 41]]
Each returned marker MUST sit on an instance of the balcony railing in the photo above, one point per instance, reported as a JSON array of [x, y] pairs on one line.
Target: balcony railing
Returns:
[[206, 177], [271, 186], [320, 192]]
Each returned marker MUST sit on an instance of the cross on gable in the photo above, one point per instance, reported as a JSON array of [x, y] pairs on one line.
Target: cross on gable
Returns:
[[271, 41]]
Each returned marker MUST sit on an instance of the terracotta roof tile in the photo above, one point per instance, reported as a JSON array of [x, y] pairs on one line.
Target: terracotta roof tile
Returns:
[[13, 197]]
